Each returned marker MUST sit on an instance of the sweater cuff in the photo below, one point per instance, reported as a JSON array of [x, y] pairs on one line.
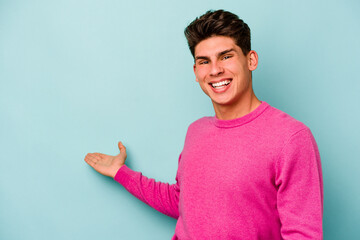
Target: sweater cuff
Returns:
[[124, 174]]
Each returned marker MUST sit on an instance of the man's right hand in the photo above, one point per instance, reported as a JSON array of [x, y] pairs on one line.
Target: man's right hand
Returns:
[[105, 164]]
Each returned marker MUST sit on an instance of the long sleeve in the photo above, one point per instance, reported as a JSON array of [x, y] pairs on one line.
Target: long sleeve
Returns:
[[163, 197], [300, 188]]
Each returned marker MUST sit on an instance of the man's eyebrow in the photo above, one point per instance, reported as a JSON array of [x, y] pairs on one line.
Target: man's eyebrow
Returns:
[[218, 55], [225, 52], [201, 57]]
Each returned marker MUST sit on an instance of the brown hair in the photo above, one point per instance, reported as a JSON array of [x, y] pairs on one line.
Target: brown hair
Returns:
[[218, 23]]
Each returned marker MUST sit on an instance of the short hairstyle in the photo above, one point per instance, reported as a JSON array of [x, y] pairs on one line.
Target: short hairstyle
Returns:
[[218, 23]]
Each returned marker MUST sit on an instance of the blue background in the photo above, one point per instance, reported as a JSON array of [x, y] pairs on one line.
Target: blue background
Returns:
[[78, 76]]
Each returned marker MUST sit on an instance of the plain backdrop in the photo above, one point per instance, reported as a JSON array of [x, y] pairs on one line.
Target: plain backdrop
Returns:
[[78, 76]]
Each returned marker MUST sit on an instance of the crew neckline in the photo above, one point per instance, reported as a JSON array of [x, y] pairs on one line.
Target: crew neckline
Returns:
[[241, 120]]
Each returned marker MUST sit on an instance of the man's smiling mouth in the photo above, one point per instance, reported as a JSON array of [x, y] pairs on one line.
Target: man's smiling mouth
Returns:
[[220, 84]]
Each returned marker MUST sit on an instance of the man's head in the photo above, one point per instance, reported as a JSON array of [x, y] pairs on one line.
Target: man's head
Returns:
[[224, 61], [218, 23]]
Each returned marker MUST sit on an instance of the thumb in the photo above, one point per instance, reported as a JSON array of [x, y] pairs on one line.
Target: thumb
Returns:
[[122, 148]]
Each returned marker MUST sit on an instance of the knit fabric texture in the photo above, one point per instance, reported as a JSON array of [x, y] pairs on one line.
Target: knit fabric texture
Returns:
[[254, 177]]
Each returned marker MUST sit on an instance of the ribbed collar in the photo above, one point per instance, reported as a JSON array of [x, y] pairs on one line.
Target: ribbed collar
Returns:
[[242, 120]]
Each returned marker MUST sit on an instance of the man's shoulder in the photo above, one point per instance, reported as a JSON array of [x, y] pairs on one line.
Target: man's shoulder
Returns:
[[282, 122], [201, 122]]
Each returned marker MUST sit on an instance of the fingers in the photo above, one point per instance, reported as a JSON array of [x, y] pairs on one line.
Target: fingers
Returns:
[[92, 159], [99, 155]]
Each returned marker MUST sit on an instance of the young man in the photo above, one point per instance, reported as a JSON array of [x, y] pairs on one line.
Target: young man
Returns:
[[249, 172]]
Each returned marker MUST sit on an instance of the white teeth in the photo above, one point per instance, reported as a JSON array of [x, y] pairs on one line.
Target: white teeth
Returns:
[[220, 84]]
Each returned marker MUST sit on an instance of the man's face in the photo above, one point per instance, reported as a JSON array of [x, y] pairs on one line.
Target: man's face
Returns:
[[223, 71]]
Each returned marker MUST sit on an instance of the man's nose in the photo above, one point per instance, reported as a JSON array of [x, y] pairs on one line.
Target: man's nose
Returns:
[[216, 69]]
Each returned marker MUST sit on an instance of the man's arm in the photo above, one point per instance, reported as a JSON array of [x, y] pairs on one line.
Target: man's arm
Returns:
[[300, 188], [163, 197]]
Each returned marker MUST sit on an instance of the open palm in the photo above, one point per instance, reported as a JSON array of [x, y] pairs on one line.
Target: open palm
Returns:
[[106, 164]]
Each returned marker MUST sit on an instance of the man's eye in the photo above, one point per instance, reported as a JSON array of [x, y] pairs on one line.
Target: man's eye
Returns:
[[203, 62], [226, 57]]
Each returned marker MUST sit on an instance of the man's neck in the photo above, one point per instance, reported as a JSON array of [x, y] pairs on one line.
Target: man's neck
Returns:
[[240, 109]]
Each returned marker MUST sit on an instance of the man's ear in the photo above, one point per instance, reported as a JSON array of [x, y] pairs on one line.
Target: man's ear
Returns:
[[253, 60], [194, 67]]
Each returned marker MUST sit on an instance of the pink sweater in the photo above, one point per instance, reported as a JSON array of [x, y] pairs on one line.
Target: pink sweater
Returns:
[[255, 177]]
